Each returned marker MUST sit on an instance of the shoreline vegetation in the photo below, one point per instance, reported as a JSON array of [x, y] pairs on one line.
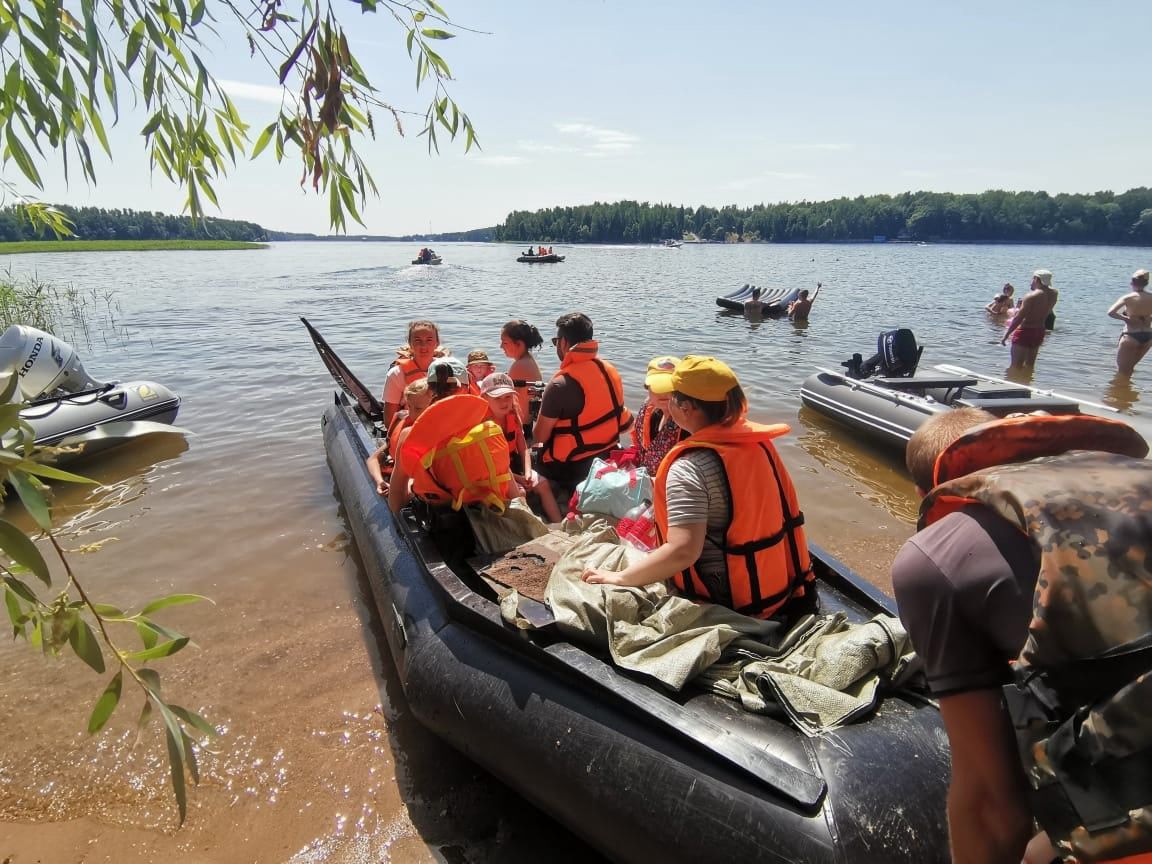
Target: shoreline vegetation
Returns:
[[995, 216], [66, 245]]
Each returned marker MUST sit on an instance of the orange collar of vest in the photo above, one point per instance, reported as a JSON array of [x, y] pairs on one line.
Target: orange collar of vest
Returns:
[[1020, 439], [580, 352], [741, 432]]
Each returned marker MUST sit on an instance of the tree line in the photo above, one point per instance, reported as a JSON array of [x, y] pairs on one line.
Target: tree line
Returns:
[[96, 223], [995, 216]]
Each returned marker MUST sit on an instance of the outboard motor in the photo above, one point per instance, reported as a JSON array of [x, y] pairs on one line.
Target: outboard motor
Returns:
[[46, 365], [897, 356]]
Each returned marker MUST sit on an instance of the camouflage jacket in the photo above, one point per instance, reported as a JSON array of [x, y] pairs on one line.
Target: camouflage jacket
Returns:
[[1082, 701]]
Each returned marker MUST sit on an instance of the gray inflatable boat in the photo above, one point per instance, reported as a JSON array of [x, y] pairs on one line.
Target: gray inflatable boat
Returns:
[[68, 408]]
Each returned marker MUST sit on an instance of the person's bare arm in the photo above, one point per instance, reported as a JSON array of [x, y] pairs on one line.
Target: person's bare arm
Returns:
[[390, 409], [542, 431], [989, 821], [685, 543], [815, 293], [376, 472], [1119, 309], [398, 491]]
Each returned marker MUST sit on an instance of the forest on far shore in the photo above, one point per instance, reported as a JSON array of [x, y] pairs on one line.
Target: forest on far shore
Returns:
[[995, 216]]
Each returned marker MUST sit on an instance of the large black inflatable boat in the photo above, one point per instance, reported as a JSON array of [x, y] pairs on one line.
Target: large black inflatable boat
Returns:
[[884, 399], [69, 409], [775, 300], [643, 774]]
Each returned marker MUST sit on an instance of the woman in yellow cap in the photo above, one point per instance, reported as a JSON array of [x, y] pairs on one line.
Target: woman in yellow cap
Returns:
[[655, 432], [725, 506]]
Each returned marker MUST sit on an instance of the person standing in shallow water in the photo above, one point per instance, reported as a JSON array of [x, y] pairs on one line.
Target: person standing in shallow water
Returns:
[[799, 308], [1027, 327], [1135, 310]]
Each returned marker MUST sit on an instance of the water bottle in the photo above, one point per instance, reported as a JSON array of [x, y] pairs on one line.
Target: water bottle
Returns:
[[637, 528]]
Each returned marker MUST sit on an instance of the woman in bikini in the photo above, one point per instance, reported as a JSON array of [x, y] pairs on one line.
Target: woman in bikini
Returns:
[[1135, 310], [1002, 303], [518, 339]]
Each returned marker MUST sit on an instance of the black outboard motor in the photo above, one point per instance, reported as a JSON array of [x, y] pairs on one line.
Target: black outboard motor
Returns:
[[897, 356]]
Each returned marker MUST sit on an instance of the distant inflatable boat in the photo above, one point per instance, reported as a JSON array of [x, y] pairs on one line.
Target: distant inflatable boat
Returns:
[[775, 300], [433, 260], [540, 259]]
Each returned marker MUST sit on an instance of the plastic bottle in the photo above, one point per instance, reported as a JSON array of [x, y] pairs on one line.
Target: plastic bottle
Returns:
[[637, 528]]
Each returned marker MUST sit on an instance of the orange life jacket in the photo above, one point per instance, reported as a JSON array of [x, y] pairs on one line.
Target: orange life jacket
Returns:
[[411, 371], [765, 552], [646, 431], [597, 429], [455, 456]]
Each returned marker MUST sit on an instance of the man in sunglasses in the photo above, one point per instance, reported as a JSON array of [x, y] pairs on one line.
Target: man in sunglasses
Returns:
[[582, 412]]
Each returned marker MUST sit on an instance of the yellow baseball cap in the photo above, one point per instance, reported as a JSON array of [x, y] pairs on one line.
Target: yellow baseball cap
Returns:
[[704, 378], [658, 379]]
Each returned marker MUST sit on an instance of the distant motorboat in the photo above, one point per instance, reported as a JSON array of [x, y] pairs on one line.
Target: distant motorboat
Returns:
[[673, 244], [427, 256]]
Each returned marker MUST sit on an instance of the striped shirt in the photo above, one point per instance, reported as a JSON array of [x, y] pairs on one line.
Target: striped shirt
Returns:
[[697, 491]]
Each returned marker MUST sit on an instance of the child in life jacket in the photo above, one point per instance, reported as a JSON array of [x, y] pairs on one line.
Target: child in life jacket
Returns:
[[500, 392], [417, 397], [479, 368]]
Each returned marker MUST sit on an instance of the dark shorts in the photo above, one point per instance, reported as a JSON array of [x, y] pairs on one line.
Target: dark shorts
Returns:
[[1029, 337], [1141, 336], [964, 588]]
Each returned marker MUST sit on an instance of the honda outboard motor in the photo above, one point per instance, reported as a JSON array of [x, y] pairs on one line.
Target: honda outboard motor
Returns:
[[897, 356], [46, 365]]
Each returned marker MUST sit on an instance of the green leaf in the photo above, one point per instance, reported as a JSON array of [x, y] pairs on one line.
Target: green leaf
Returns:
[[106, 704], [164, 649], [437, 34], [41, 470], [193, 719], [22, 590], [111, 613], [176, 766], [23, 160], [151, 679], [23, 551], [153, 124], [172, 600], [34, 502], [263, 140], [419, 16], [86, 646], [135, 40], [15, 612], [10, 387], [148, 636]]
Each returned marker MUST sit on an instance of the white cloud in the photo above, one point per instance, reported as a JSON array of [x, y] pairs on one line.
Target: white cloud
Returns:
[[540, 147], [600, 139], [253, 92]]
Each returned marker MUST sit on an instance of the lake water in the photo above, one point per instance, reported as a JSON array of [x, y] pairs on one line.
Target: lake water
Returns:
[[319, 759]]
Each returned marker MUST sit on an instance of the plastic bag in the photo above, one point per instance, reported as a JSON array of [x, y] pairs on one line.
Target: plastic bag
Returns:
[[611, 490]]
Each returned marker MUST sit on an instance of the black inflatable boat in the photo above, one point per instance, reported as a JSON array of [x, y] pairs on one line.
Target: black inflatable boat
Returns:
[[540, 259], [886, 400], [775, 300], [642, 774]]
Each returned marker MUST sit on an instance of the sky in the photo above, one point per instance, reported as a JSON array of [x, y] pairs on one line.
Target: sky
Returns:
[[693, 103]]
